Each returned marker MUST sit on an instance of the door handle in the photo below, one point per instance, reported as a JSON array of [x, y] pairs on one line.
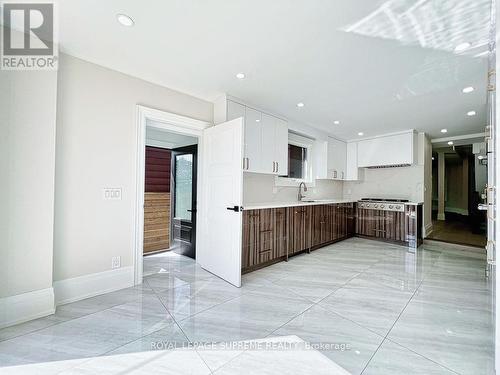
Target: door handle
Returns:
[[193, 210], [234, 208], [482, 207]]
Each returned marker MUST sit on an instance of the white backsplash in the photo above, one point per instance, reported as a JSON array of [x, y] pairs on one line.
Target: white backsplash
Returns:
[[403, 182], [260, 188]]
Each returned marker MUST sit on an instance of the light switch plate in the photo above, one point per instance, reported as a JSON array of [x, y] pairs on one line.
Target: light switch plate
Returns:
[[115, 262], [112, 194]]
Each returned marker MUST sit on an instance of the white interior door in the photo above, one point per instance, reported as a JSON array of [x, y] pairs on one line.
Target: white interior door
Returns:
[[220, 216]]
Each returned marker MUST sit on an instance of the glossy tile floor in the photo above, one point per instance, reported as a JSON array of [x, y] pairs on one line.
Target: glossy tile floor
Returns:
[[370, 307]]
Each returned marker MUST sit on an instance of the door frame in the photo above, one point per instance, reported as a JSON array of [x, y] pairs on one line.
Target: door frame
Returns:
[[173, 123]]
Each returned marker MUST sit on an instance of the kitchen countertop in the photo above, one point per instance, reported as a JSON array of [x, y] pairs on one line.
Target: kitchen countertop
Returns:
[[259, 206], [263, 205]]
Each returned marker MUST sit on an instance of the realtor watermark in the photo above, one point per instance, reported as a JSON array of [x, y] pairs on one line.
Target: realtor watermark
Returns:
[[29, 36]]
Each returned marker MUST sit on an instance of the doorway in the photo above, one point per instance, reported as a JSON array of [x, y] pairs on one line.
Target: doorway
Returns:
[[459, 176], [166, 134]]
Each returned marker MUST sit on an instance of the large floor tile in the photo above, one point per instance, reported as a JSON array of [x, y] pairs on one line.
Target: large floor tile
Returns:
[[459, 338], [371, 305], [393, 359], [253, 315], [341, 340], [189, 299]]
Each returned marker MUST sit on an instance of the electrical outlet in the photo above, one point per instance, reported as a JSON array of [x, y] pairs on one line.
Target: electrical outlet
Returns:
[[112, 194], [115, 262]]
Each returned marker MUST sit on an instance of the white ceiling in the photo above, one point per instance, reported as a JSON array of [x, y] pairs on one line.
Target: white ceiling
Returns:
[[377, 66], [162, 138]]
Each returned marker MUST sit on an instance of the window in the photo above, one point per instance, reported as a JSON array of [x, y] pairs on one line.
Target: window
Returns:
[[300, 155], [297, 162]]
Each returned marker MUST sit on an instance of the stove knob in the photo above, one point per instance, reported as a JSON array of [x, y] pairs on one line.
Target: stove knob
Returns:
[[375, 206], [390, 207], [368, 205], [382, 205], [397, 207]]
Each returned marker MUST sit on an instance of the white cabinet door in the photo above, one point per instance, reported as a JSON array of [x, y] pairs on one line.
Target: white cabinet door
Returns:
[[281, 148], [336, 159], [235, 110], [352, 170], [268, 160], [219, 246], [252, 161]]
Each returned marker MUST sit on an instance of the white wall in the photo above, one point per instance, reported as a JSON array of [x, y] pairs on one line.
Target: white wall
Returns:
[[27, 154], [27, 159], [96, 148]]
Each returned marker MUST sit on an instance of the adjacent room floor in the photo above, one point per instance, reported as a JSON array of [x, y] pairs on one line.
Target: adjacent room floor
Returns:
[[456, 232], [370, 307]]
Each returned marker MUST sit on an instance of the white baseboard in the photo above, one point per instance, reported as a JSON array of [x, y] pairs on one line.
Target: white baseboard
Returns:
[[78, 288], [27, 306]]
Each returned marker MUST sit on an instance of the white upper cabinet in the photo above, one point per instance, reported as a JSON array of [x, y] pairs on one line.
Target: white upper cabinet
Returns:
[[281, 147], [336, 159], [266, 140], [390, 150], [353, 172], [253, 161]]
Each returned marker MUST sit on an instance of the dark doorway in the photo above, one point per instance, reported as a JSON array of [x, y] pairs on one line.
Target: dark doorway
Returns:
[[183, 191]]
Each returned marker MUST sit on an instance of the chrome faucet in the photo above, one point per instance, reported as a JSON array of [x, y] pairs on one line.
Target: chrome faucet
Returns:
[[301, 196]]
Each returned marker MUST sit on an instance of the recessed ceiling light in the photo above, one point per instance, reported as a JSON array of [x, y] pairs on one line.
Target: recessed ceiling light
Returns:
[[125, 20], [361, 134], [300, 105], [471, 113], [336, 122], [450, 143], [240, 75], [257, 120], [444, 130], [462, 47], [468, 89]]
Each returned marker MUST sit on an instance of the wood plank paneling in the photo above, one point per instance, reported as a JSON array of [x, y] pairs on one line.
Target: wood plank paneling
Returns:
[[156, 221], [299, 228]]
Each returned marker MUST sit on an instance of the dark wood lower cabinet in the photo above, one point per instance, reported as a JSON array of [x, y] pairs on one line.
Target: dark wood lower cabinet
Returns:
[[299, 229], [403, 227], [273, 234], [264, 236]]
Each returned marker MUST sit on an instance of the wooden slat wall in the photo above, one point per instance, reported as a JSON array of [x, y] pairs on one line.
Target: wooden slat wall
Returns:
[[157, 170], [157, 199], [156, 221]]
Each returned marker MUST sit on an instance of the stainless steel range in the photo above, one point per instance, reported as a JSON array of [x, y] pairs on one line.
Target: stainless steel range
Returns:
[[383, 204]]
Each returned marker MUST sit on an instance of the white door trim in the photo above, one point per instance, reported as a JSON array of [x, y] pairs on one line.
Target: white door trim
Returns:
[[165, 121]]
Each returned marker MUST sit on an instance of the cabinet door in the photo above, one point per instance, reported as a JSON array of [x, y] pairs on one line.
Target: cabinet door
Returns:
[[365, 222], [281, 149], [251, 238], [253, 140], [336, 159], [299, 228], [268, 144], [319, 225], [352, 170], [280, 233]]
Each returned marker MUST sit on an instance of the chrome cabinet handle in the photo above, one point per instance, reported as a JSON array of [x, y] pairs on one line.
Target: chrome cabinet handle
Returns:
[[277, 167]]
